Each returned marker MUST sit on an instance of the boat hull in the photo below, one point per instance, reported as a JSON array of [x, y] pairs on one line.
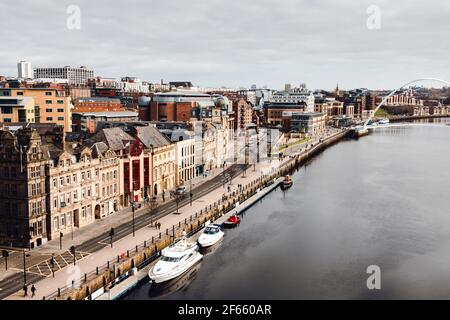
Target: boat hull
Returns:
[[205, 243], [174, 273]]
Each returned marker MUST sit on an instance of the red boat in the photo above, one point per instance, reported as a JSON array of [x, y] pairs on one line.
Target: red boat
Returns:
[[232, 221]]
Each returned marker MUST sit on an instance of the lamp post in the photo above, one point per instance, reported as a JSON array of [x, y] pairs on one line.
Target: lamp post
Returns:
[[190, 192], [24, 268], [132, 204]]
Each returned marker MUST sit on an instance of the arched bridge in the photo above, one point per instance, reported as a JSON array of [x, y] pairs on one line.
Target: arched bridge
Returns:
[[394, 91]]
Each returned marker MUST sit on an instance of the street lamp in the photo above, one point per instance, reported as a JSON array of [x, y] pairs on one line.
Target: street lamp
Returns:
[[190, 192], [132, 205], [24, 268]]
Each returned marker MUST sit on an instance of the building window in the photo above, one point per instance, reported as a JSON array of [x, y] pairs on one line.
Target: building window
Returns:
[[56, 223], [60, 118], [48, 101], [7, 120], [60, 110], [60, 102], [49, 118], [69, 218], [48, 93], [20, 93], [7, 110], [48, 110], [63, 220]]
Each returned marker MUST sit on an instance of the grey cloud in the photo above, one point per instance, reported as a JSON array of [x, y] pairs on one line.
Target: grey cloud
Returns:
[[234, 43]]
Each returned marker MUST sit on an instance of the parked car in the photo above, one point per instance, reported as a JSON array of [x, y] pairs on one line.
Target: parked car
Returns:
[[180, 190]]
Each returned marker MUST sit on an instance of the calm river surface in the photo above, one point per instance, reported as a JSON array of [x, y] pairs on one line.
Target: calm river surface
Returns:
[[383, 200]]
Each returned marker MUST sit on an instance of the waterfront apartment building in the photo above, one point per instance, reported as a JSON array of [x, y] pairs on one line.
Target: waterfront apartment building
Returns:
[[175, 106], [294, 96], [330, 108], [83, 186], [162, 154], [304, 122], [16, 109], [23, 194], [73, 75], [185, 166], [243, 112], [50, 105]]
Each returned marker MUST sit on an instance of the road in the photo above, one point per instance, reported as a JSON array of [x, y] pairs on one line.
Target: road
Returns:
[[14, 283]]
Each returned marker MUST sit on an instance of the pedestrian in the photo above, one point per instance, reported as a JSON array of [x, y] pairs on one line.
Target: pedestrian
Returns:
[[25, 290], [33, 291]]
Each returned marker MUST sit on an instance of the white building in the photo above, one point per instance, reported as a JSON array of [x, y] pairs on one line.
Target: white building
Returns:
[[24, 70], [294, 96], [185, 165], [79, 75]]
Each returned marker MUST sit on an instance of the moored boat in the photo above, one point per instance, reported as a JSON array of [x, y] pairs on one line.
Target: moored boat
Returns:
[[210, 236], [232, 221], [175, 260], [286, 183]]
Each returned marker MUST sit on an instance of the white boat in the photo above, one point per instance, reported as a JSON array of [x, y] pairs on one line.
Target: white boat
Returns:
[[210, 236], [175, 260], [383, 121]]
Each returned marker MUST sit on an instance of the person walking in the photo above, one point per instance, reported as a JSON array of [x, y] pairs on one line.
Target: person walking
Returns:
[[33, 291], [25, 290]]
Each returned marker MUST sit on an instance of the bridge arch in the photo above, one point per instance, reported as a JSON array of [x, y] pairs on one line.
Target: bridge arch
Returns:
[[394, 91]]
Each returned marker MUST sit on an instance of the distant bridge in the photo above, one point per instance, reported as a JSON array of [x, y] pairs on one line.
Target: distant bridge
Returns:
[[393, 93]]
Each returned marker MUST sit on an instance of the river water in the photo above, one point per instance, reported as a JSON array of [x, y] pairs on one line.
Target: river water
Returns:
[[382, 200]]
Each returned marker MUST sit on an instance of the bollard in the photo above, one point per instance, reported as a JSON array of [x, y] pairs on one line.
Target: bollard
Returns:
[[107, 264], [145, 243], [128, 253], [118, 258], [96, 271], [160, 235], [85, 277], [59, 292], [136, 248]]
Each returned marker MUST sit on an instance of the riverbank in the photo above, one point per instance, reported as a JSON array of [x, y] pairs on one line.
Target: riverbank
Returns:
[[258, 192], [92, 274]]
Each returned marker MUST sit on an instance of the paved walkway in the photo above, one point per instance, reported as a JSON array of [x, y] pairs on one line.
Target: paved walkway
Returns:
[[87, 263]]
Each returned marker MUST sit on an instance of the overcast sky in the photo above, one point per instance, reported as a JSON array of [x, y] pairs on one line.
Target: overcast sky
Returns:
[[234, 43]]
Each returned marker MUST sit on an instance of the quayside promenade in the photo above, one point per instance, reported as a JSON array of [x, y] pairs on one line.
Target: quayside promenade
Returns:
[[97, 269]]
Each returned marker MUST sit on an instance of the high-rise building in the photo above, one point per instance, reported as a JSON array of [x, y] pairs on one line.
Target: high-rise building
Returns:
[[79, 75], [24, 70]]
